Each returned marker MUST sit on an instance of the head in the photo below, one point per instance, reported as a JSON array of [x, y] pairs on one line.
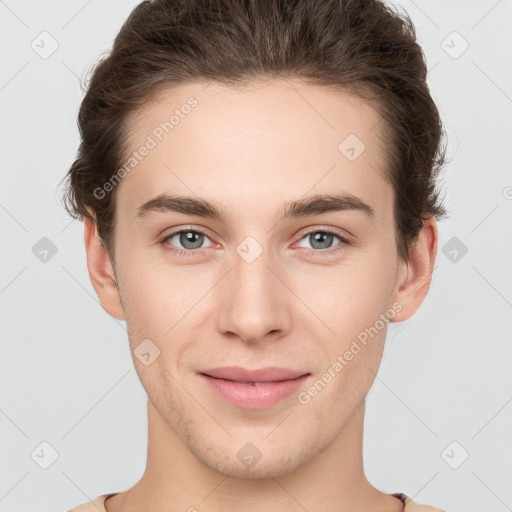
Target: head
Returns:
[[257, 182]]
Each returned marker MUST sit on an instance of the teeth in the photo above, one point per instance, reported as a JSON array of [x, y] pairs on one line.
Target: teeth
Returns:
[[254, 383]]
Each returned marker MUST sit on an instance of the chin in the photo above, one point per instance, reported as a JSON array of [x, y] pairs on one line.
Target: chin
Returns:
[[256, 460], [270, 468]]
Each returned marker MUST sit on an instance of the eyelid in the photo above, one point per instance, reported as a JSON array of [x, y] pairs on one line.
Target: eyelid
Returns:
[[184, 229], [344, 241], [343, 234], [175, 231]]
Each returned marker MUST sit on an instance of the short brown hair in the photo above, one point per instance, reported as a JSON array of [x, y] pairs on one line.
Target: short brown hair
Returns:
[[363, 47]]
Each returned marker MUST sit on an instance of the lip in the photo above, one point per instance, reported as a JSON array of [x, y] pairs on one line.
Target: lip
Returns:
[[232, 384], [240, 374]]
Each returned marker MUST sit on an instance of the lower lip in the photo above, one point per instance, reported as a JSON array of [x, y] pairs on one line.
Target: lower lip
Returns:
[[254, 397]]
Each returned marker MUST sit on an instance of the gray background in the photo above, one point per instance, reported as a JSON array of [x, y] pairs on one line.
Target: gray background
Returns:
[[66, 375]]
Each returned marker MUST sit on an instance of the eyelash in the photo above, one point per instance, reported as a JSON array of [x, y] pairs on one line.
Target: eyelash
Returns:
[[193, 252]]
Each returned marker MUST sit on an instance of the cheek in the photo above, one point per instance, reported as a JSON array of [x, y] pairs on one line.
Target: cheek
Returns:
[[350, 302], [145, 312], [349, 297], [158, 301]]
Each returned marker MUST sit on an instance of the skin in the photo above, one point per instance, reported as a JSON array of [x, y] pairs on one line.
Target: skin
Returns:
[[252, 150]]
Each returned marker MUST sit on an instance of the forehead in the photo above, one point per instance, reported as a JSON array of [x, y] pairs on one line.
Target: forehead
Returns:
[[270, 141]]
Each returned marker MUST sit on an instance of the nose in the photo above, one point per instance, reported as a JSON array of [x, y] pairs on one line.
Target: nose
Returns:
[[254, 302]]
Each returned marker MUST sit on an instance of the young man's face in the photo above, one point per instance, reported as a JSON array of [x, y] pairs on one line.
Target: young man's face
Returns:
[[256, 289]]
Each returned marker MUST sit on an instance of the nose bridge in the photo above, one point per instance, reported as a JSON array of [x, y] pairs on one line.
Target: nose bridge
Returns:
[[254, 301]]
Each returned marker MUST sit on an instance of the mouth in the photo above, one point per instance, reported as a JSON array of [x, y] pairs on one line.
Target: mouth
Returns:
[[253, 389], [253, 383]]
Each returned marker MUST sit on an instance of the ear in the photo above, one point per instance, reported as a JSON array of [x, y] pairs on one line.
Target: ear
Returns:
[[415, 275], [101, 271]]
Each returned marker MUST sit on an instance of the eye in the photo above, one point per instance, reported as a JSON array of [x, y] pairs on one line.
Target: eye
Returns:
[[321, 240], [190, 239]]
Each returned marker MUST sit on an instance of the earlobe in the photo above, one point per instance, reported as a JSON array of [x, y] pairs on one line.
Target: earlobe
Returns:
[[415, 276], [101, 271]]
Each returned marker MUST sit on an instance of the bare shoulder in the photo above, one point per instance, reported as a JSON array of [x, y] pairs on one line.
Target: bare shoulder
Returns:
[[96, 505], [412, 506]]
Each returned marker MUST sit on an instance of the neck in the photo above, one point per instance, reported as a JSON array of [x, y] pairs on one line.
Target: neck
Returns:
[[333, 481]]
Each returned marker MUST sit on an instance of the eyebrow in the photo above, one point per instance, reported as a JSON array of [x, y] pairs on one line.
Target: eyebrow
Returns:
[[312, 205]]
